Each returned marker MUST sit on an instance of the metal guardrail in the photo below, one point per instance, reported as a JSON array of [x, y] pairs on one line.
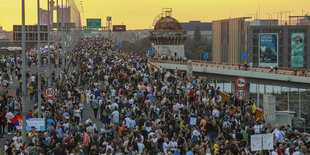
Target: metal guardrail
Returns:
[[281, 70]]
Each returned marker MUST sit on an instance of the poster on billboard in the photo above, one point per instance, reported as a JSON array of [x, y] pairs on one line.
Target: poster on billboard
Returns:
[[268, 49], [297, 52]]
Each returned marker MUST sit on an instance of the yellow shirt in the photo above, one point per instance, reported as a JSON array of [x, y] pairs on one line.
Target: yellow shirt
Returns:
[[82, 97], [253, 108], [31, 89], [216, 148]]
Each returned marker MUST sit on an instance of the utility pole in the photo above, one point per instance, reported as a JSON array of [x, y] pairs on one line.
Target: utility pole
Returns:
[[23, 73], [67, 26], [62, 36], [39, 64], [49, 44], [269, 15], [57, 41]]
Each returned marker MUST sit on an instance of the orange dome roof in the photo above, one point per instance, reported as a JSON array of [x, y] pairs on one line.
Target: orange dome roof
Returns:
[[168, 24]]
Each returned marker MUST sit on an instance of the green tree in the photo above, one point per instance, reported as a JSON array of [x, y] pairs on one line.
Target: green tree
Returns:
[[139, 46], [197, 34]]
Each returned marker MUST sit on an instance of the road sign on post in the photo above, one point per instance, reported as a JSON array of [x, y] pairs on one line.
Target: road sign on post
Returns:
[[240, 94], [206, 55], [240, 82], [244, 55], [118, 43], [50, 92], [94, 23], [148, 52]]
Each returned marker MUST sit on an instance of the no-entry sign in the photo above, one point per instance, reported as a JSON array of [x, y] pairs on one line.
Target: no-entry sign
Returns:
[[50, 92], [240, 82], [240, 94]]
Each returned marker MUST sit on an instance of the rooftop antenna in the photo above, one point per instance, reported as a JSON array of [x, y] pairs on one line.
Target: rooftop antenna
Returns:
[[259, 10]]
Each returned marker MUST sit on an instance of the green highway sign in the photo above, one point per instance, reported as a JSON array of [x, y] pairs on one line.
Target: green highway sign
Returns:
[[87, 31], [94, 23]]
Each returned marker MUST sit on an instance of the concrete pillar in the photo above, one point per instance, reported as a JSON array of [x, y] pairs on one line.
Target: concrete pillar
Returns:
[[189, 71], [284, 62], [307, 52], [269, 108]]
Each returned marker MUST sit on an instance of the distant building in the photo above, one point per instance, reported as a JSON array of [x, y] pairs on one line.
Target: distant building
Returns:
[[283, 46], [229, 40], [31, 33], [264, 22], [66, 15], [205, 29], [44, 17]]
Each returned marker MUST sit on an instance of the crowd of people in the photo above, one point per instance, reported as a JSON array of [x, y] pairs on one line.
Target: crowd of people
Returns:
[[113, 102]]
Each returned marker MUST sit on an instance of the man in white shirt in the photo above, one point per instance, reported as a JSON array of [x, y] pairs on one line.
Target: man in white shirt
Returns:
[[115, 117], [140, 146], [257, 128], [297, 151], [8, 117], [127, 120], [166, 145], [173, 144], [215, 113]]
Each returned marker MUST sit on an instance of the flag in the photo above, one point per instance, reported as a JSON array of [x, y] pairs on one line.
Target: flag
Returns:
[[16, 120], [28, 115], [151, 88]]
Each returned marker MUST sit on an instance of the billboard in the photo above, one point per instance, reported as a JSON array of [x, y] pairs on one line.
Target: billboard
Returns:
[[268, 49], [119, 28], [93, 23], [297, 50]]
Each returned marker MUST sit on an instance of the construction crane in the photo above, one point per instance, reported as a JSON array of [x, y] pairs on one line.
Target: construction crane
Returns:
[[164, 13], [269, 15]]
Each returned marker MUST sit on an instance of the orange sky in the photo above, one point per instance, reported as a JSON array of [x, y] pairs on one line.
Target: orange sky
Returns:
[[139, 14]]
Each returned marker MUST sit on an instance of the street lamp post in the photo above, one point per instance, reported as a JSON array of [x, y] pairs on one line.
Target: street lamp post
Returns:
[[57, 41], [39, 63], [23, 73], [49, 44], [62, 35]]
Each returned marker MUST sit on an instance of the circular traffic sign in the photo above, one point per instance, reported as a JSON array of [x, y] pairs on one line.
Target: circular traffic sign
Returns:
[[50, 92], [240, 82], [240, 94]]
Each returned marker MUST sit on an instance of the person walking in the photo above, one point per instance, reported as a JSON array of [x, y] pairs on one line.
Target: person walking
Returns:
[[95, 106]]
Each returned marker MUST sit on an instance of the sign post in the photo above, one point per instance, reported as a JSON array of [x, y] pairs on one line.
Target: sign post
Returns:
[[50, 92], [244, 55], [240, 94], [206, 55], [241, 83]]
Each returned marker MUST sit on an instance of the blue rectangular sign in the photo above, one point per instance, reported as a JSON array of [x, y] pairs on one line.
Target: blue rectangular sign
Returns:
[[153, 49], [244, 55], [206, 55], [118, 43], [148, 52]]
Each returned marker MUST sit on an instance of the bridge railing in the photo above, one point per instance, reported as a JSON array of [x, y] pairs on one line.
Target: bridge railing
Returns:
[[255, 68]]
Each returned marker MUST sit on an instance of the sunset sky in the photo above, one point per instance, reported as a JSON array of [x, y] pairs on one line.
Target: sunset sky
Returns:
[[139, 14]]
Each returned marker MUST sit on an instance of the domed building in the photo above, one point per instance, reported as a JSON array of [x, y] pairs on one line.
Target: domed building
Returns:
[[168, 37]]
